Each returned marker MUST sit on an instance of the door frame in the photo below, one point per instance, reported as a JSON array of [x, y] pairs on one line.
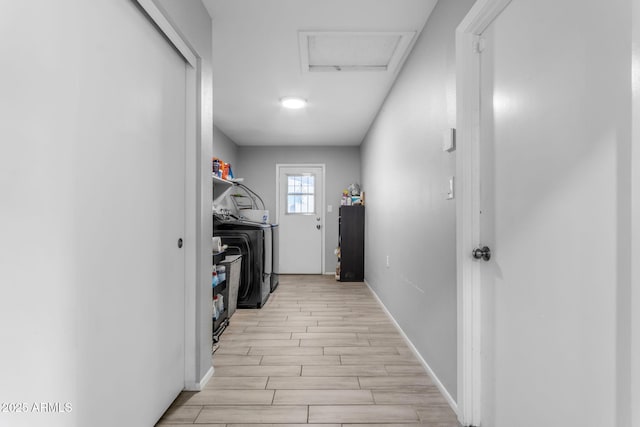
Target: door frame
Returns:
[[468, 32], [321, 204], [634, 327], [193, 230]]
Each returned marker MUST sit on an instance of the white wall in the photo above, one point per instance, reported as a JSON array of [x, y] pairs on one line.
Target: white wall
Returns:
[[257, 165], [193, 23], [408, 218], [224, 148], [38, 285]]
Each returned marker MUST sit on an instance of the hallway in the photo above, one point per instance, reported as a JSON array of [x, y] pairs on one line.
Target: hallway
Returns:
[[319, 352]]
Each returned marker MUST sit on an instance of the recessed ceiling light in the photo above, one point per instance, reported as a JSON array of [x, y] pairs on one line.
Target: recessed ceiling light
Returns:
[[293, 103]]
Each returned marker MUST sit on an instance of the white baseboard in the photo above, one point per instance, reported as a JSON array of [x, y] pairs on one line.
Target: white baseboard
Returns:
[[413, 348], [200, 384]]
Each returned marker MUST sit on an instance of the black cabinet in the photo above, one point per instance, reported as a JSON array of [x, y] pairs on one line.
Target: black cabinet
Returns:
[[351, 241]]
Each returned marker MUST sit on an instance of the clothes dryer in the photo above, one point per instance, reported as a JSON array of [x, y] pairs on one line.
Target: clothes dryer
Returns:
[[253, 241]]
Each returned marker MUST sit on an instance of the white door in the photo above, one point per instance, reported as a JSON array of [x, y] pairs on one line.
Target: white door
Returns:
[[131, 177], [548, 215], [92, 138], [300, 215]]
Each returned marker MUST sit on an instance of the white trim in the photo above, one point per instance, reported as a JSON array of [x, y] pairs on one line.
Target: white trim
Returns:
[[445, 393], [192, 230], [160, 18], [481, 15], [192, 225], [634, 357], [322, 201], [199, 385], [467, 232]]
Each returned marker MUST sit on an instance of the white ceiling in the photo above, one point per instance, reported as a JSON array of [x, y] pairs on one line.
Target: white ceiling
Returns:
[[258, 59]]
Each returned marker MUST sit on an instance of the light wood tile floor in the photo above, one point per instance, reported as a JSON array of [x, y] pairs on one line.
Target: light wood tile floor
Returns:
[[319, 353]]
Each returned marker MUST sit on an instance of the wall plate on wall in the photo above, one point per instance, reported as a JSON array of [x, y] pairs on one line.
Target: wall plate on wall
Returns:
[[450, 193], [449, 140]]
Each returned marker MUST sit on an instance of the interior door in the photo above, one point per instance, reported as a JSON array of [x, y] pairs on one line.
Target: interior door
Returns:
[[131, 177], [300, 215], [548, 184], [92, 139]]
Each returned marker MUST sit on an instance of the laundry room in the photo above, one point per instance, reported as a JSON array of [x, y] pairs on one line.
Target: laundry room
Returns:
[[291, 185], [256, 192], [325, 138], [364, 116]]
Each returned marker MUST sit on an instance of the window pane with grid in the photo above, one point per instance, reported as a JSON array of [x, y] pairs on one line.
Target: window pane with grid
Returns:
[[300, 194]]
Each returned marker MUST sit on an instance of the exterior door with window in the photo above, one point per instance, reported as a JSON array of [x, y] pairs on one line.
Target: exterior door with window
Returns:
[[300, 201]]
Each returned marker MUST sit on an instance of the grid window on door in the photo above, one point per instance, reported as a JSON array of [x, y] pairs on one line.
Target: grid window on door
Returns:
[[301, 197]]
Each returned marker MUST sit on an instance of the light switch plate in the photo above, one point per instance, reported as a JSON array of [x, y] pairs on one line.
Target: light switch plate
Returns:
[[452, 183], [449, 140], [329, 208]]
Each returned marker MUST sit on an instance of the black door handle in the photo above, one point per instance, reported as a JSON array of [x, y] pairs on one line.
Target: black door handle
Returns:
[[482, 253]]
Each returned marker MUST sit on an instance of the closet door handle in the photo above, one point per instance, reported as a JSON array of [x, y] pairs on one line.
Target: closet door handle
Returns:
[[180, 243], [482, 253], [318, 226]]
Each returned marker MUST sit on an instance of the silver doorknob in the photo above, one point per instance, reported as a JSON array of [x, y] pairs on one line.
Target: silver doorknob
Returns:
[[482, 253]]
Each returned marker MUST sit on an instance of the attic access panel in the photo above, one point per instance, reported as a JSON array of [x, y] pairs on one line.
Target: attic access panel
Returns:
[[331, 51]]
